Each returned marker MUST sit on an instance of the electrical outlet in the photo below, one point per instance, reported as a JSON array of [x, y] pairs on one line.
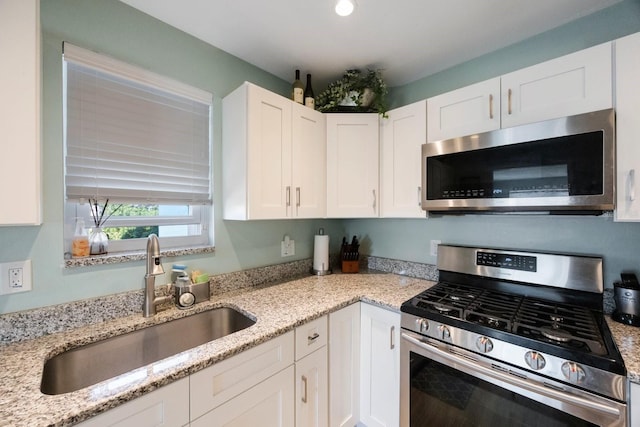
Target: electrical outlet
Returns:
[[15, 277], [287, 247], [434, 247]]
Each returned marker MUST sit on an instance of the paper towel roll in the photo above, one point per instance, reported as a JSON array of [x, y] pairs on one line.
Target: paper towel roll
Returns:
[[321, 254]]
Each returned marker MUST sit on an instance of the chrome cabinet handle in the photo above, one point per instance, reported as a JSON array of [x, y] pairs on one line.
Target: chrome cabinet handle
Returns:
[[509, 93], [393, 337], [312, 338], [374, 199], [304, 390], [297, 197], [419, 196], [491, 106], [288, 196], [632, 185]]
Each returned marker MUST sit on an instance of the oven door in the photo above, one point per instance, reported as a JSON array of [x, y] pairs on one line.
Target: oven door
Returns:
[[446, 386]]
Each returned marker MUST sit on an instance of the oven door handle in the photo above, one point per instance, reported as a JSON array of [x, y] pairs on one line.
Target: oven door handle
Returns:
[[455, 361]]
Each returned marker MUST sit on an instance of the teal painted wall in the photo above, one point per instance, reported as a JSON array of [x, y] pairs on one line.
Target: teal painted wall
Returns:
[[618, 243], [115, 29]]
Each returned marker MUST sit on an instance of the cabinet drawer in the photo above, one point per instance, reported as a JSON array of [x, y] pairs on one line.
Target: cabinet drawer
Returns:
[[217, 384], [310, 337]]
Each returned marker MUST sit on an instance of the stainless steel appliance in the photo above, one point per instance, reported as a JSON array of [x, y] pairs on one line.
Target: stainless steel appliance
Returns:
[[560, 165], [627, 298], [508, 338]]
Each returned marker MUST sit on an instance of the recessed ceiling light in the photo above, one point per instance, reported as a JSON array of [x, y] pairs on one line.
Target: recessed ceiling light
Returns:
[[345, 7]]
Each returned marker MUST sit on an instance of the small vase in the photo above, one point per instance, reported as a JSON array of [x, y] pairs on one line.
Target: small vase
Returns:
[[99, 242]]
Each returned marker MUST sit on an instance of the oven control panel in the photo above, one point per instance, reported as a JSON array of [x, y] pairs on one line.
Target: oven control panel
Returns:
[[508, 261]]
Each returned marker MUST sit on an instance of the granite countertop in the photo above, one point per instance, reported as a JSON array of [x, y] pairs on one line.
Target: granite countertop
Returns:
[[278, 309], [627, 338]]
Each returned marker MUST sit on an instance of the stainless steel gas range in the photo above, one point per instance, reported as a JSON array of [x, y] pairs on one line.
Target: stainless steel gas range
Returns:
[[511, 338]]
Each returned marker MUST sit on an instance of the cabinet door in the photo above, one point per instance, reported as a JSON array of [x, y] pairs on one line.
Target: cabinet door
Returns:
[[403, 133], [309, 166], [572, 84], [20, 178], [634, 404], [344, 360], [269, 404], [627, 127], [380, 369], [269, 154], [211, 387], [352, 165], [465, 111], [166, 406], [312, 390]]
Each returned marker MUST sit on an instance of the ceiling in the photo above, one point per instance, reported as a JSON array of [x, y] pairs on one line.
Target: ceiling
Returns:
[[408, 39]]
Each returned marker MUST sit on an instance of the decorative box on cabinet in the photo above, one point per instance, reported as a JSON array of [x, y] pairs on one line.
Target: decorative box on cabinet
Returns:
[[273, 157], [352, 165], [380, 367], [403, 133], [627, 70], [20, 85]]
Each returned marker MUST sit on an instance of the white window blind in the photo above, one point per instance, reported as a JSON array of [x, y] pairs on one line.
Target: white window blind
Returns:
[[132, 135]]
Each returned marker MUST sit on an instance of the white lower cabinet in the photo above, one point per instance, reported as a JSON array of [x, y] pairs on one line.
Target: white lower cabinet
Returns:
[[312, 387], [380, 367], [634, 404], [344, 366], [167, 406]]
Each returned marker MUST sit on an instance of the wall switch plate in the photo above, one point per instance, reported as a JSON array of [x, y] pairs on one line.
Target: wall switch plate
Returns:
[[287, 247], [434, 247], [15, 277]]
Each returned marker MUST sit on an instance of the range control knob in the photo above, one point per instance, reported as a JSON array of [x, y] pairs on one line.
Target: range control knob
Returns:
[[444, 332], [484, 344], [422, 325], [573, 372], [534, 360]]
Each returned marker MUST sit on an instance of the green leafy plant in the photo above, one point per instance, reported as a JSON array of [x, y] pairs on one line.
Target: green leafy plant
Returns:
[[352, 86]]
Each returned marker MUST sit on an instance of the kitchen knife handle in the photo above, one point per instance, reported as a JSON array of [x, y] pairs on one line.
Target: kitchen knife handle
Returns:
[[374, 199], [304, 394], [288, 196], [419, 196], [509, 93], [632, 185], [491, 106]]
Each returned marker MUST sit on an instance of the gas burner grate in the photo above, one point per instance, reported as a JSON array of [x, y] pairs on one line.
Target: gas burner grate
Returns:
[[493, 309], [449, 299]]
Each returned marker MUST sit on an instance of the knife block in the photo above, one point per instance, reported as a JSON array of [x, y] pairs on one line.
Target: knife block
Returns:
[[350, 266]]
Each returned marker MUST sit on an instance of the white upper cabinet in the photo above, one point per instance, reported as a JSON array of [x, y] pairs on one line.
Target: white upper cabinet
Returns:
[[273, 157], [403, 133], [352, 165], [627, 70], [20, 83], [464, 111], [572, 84]]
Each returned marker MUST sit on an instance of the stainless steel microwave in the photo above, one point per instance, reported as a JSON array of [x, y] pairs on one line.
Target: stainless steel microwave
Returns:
[[562, 165]]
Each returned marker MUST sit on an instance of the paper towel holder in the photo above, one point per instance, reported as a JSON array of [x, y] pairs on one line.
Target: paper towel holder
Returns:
[[321, 265]]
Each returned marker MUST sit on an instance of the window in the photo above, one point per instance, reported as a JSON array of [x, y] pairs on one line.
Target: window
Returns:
[[140, 141]]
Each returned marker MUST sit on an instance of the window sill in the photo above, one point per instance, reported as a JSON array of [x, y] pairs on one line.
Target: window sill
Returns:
[[122, 257]]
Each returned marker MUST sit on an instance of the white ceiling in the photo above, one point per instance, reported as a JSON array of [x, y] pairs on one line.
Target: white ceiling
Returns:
[[408, 39]]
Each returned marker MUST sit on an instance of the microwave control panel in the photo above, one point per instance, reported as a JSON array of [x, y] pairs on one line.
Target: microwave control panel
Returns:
[[502, 260]]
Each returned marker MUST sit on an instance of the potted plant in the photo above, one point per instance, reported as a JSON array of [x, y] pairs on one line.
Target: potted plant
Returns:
[[355, 91]]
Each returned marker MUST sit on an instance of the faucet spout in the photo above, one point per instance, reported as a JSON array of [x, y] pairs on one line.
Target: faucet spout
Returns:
[[154, 268]]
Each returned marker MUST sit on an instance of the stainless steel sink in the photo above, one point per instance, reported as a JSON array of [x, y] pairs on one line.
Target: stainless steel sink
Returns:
[[87, 365]]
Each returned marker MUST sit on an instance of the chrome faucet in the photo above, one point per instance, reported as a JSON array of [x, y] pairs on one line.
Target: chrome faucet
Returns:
[[154, 268]]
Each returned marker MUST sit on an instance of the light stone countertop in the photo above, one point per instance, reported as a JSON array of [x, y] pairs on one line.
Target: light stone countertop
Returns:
[[278, 309], [627, 338]]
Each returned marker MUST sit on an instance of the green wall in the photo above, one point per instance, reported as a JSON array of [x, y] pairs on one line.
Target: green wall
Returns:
[[115, 29], [618, 243]]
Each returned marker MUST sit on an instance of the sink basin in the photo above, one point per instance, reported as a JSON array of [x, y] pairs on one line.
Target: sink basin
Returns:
[[87, 365]]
